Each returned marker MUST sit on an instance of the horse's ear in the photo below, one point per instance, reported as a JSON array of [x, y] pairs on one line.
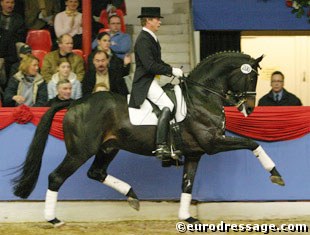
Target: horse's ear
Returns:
[[259, 59]]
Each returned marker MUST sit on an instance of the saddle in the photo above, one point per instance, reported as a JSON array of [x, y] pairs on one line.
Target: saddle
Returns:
[[148, 115]]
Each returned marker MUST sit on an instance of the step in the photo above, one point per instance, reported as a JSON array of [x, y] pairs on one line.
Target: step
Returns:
[[175, 47], [175, 19], [166, 29], [167, 38], [181, 7], [172, 19], [177, 57]]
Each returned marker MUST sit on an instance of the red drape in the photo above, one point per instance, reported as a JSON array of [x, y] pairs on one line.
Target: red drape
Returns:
[[270, 123], [265, 123]]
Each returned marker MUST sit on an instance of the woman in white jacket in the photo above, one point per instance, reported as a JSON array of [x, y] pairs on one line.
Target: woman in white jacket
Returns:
[[64, 72]]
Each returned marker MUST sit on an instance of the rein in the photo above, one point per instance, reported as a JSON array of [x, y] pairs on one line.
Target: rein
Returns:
[[243, 94], [217, 93]]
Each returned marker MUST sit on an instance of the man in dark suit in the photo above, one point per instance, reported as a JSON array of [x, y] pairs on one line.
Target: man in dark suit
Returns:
[[145, 85], [12, 21], [103, 77], [278, 96]]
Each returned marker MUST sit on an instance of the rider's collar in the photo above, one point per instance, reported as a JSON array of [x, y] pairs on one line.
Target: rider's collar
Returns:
[[150, 32]]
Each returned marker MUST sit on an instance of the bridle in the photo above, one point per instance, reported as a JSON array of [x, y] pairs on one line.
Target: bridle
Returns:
[[229, 96]]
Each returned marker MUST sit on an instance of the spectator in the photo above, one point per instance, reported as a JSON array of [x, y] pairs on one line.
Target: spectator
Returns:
[[64, 93], [27, 86], [64, 73], [70, 22], [103, 78], [7, 51], [116, 64], [24, 49], [120, 42], [278, 96], [109, 5], [40, 14], [11, 21], [50, 61]]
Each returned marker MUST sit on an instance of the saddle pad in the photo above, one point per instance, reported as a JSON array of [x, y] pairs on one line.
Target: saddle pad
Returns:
[[145, 116]]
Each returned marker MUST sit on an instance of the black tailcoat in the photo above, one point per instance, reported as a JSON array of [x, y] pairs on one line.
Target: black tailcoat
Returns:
[[148, 65]]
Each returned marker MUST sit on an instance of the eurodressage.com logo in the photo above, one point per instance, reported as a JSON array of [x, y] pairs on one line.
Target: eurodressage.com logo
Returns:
[[224, 227]]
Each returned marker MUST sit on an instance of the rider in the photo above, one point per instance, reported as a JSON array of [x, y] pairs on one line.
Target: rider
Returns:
[[145, 85]]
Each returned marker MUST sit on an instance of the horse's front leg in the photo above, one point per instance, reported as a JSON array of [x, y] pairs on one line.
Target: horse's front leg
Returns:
[[189, 173], [227, 143]]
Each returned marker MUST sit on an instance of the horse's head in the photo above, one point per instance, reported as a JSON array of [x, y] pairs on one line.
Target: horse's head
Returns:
[[242, 84], [226, 76]]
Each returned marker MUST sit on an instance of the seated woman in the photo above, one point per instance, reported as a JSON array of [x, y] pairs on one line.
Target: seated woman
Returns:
[[115, 64], [26, 86], [64, 89], [70, 22], [64, 73]]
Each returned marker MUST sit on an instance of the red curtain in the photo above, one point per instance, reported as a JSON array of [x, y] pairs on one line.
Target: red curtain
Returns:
[[270, 123], [23, 114], [265, 123]]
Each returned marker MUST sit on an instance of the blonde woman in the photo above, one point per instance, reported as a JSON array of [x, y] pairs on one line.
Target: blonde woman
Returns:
[[64, 72], [26, 86]]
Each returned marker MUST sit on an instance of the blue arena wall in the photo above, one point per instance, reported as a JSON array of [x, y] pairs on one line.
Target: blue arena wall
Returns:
[[246, 15], [229, 176]]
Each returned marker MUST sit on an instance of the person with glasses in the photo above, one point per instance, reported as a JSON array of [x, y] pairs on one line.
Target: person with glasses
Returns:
[[278, 96]]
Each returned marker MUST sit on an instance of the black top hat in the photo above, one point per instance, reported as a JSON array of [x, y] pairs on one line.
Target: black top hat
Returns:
[[152, 12]]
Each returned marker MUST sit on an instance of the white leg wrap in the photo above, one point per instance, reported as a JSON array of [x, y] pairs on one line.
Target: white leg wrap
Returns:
[[264, 159], [50, 205], [185, 202], [117, 184]]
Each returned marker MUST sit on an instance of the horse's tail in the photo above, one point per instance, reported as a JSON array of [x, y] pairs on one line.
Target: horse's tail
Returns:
[[30, 169]]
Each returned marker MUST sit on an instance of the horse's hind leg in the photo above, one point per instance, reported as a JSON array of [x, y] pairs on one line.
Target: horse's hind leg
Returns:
[[189, 172], [98, 172], [55, 180]]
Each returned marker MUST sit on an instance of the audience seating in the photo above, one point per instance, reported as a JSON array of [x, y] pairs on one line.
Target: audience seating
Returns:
[[104, 30], [40, 55], [78, 52], [104, 19], [39, 40]]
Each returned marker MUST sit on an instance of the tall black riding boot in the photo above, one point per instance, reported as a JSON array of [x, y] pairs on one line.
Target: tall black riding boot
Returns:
[[162, 149]]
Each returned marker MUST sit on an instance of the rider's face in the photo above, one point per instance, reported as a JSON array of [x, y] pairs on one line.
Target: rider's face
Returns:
[[153, 24]]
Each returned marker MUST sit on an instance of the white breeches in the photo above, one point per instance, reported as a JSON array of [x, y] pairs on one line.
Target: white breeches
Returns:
[[157, 95]]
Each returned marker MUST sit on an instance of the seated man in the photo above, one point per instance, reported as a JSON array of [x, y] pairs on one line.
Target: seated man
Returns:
[[12, 21], [278, 96], [64, 89], [120, 42], [103, 78], [51, 60]]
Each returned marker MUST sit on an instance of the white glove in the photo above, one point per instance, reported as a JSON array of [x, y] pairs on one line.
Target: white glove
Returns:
[[177, 72]]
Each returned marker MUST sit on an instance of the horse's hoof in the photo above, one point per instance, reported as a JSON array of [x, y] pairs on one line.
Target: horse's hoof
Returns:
[[277, 180], [56, 223], [134, 203], [192, 220]]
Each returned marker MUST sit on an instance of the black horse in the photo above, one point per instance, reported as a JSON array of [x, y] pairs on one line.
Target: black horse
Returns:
[[99, 125]]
